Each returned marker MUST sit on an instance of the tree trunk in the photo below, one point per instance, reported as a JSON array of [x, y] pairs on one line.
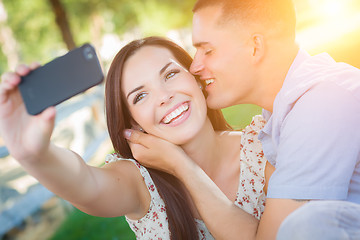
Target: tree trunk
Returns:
[[97, 23], [63, 24], [8, 43]]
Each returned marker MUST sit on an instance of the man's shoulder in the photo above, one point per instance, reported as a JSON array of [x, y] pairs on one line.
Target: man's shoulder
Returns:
[[318, 72]]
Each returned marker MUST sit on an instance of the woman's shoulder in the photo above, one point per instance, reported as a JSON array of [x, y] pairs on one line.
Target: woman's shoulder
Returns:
[[251, 196], [115, 157], [154, 223], [117, 161], [120, 164], [250, 144], [257, 123]]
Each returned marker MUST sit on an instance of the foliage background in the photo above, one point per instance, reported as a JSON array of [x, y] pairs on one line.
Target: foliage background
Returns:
[[38, 37]]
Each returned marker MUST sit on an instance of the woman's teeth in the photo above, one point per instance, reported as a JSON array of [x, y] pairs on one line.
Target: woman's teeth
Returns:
[[209, 81], [177, 112]]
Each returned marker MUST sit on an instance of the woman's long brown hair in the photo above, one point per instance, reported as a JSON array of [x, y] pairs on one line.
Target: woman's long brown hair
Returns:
[[181, 220]]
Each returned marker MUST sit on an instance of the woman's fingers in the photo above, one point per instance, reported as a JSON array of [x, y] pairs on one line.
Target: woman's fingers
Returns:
[[23, 70], [34, 65], [48, 114], [9, 82], [48, 118]]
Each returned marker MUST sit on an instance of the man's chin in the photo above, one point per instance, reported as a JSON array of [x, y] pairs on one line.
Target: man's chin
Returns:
[[216, 103]]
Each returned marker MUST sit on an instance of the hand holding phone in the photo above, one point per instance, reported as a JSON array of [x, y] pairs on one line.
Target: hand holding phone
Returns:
[[61, 79]]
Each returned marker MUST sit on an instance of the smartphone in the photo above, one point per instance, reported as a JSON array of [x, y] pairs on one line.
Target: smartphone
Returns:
[[61, 79]]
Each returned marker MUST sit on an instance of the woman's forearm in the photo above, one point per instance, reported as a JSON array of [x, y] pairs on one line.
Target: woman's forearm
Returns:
[[63, 172]]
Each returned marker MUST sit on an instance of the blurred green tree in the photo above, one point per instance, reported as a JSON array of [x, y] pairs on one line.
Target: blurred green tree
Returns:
[[8, 43], [42, 30]]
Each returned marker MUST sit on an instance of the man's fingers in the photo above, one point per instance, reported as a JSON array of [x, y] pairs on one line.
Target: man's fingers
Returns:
[[132, 135], [135, 147], [138, 137], [139, 152]]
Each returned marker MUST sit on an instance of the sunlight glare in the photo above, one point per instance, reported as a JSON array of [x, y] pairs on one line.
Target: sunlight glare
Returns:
[[334, 19], [334, 8]]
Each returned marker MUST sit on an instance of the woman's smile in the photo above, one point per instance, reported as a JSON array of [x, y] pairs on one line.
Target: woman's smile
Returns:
[[177, 115]]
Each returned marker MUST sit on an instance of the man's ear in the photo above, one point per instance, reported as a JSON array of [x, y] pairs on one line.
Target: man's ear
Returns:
[[258, 46]]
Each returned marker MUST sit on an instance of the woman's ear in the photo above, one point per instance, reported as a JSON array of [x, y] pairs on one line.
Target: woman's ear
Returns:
[[258, 45], [136, 126]]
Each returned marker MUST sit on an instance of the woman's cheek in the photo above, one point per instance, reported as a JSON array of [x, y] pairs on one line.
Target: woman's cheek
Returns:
[[145, 117]]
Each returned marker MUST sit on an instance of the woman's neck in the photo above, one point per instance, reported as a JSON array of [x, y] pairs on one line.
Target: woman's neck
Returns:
[[207, 149], [217, 153]]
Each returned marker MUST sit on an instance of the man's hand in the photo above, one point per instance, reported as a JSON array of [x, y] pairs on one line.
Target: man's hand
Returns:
[[155, 152]]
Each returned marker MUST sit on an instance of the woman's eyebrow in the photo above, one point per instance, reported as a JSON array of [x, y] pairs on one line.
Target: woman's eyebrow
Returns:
[[162, 70], [134, 90]]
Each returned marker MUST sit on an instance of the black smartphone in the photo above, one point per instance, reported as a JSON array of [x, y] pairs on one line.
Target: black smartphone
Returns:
[[61, 79]]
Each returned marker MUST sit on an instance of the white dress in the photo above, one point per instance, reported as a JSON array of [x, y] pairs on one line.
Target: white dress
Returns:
[[250, 195]]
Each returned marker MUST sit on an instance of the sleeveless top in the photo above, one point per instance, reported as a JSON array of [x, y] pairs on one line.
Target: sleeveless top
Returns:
[[250, 195]]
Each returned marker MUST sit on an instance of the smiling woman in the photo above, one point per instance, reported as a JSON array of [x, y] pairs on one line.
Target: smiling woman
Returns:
[[164, 99]]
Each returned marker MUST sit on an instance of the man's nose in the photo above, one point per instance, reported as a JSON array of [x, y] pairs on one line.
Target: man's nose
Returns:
[[197, 65]]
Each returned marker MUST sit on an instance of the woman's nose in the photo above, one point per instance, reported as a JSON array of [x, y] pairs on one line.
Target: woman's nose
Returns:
[[165, 97]]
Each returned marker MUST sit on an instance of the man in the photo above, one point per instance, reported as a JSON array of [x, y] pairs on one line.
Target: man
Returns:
[[246, 53]]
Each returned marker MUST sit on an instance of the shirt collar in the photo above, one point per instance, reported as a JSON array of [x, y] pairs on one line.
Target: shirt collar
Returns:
[[301, 56]]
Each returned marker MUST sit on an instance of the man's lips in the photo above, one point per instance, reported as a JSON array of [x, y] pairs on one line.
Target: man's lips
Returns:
[[175, 112], [209, 81]]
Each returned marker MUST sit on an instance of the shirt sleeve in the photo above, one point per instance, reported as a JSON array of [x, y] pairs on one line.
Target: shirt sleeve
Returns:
[[319, 146]]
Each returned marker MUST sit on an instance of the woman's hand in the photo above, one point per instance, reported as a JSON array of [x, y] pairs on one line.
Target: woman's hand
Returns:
[[155, 152], [25, 136]]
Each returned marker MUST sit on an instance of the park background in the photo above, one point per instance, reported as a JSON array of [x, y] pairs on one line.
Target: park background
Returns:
[[40, 30]]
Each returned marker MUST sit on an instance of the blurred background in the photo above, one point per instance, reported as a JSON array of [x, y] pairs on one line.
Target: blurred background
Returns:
[[40, 30]]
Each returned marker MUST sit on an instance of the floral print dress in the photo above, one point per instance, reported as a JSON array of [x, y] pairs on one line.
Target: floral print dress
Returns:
[[250, 195]]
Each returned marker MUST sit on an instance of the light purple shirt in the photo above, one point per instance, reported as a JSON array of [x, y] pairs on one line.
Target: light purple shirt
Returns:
[[313, 135]]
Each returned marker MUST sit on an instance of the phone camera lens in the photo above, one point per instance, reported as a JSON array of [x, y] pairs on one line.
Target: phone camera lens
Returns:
[[88, 53]]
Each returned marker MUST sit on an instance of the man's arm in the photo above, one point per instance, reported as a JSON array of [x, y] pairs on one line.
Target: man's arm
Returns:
[[222, 217], [276, 211]]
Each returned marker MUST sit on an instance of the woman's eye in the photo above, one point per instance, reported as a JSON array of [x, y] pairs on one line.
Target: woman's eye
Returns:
[[139, 97], [171, 74]]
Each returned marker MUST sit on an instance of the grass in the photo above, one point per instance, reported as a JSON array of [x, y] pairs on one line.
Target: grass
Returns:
[[81, 226]]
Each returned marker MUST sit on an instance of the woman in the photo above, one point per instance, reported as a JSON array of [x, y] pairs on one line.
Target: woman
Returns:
[[148, 87]]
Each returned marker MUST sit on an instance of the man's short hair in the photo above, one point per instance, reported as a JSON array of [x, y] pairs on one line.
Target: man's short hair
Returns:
[[277, 16]]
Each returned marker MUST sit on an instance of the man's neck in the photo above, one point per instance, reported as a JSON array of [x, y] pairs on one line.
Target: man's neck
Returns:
[[274, 72]]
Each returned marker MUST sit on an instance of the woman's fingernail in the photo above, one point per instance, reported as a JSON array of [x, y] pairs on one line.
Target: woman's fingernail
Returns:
[[127, 133]]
